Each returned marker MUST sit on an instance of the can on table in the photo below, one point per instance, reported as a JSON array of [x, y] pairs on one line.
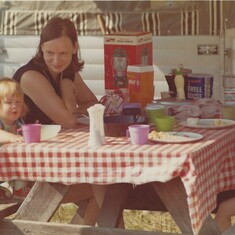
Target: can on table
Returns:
[[229, 96], [199, 86], [229, 89]]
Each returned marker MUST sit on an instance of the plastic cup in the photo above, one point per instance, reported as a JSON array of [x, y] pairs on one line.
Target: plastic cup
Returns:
[[165, 123], [154, 111], [139, 133], [31, 133]]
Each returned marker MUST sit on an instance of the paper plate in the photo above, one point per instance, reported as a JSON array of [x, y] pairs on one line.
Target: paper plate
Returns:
[[210, 123], [176, 137]]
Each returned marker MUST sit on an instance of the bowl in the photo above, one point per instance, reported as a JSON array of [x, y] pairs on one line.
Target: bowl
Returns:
[[49, 131], [117, 125], [165, 123]]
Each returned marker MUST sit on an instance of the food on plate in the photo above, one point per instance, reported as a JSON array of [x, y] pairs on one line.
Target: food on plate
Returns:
[[192, 121], [210, 123], [154, 135], [219, 122]]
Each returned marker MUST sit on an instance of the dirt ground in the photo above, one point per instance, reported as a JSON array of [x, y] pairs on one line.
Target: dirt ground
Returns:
[[137, 220], [134, 219]]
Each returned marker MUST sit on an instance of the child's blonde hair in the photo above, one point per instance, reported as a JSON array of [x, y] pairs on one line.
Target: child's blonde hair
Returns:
[[10, 87]]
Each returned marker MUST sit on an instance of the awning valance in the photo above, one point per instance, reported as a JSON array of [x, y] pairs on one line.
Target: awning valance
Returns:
[[201, 18]]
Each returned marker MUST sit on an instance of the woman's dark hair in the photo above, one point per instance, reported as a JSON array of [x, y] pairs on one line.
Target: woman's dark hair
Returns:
[[55, 28]]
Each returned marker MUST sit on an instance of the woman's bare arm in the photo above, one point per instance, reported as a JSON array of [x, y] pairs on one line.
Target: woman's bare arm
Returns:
[[39, 89], [68, 92], [84, 96]]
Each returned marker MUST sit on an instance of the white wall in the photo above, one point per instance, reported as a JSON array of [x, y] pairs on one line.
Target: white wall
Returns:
[[168, 53]]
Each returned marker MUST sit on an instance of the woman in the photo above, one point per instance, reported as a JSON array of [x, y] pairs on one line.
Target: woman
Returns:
[[54, 90]]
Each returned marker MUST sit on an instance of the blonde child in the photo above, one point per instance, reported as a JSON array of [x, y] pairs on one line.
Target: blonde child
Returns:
[[12, 109]]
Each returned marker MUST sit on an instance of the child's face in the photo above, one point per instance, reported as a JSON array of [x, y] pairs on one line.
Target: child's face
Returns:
[[12, 107]]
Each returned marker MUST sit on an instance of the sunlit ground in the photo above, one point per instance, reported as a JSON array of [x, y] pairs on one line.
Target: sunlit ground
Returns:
[[136, 220]]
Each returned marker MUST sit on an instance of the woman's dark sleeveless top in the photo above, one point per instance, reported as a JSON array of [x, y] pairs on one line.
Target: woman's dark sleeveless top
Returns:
[[35, 114]]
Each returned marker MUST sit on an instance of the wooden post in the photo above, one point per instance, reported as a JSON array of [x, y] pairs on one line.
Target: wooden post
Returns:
[[113, 205], [173, 195], [41, 206], [21, 227]]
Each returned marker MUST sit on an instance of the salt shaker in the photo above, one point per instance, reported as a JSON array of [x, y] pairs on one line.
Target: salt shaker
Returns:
[[100, 120], [94, 137]]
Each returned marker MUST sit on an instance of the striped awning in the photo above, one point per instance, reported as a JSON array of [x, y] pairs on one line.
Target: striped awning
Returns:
[[203, 18]]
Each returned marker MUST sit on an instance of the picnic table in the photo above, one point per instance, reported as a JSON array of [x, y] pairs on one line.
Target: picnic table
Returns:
[[187, 177]]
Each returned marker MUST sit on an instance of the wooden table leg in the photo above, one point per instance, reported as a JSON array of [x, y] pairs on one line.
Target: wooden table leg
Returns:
[[87, 212], [113, 205], [42, 201], [78, 217], [9, 207], [173, 195]]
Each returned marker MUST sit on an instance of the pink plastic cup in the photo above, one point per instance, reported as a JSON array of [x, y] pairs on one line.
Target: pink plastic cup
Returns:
[[139, 133], [31, 133]]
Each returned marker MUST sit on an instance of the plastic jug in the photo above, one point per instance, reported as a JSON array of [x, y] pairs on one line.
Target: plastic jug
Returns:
[[140, 84], [179, 84]]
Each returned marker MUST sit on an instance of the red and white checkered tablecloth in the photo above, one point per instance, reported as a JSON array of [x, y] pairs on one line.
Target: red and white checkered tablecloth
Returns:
[[205, 167]]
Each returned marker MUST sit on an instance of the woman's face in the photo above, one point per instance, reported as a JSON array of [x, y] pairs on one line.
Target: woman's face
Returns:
[[57, 54]]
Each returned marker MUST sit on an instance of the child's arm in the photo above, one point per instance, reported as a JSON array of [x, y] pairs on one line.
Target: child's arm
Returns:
[[6, 137]]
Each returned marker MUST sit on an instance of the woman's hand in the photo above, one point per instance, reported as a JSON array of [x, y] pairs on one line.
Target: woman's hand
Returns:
[[76, 95], [84, 96], [69, 92]]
